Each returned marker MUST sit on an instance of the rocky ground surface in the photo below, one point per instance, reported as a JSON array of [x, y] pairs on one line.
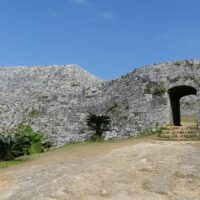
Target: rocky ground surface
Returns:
[[142, 170]]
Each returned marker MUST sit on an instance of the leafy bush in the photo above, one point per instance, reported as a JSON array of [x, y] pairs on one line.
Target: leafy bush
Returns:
[[38, 142], [24, 141], [12, 147], [156, 88], [98, 123]]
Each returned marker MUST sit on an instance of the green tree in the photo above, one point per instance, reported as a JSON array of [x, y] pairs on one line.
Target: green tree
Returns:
[[98, 123]]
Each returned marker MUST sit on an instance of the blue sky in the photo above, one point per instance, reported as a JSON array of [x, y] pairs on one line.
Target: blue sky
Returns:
[[106, 37]]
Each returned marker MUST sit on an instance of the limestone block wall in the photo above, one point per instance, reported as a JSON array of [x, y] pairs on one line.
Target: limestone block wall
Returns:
[[57, 99], [142, 108], [48, 98], [189, 105]]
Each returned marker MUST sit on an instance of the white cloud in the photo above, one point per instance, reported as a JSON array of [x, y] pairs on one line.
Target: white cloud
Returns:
[[79, 1]]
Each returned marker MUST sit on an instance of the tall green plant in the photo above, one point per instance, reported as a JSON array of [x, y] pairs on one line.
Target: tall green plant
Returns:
[[98, 123], [38, 142], [12, 147], [24, 141]]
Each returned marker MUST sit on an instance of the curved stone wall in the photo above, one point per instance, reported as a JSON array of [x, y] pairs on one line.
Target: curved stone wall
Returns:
[[142, 96], [57, 99]]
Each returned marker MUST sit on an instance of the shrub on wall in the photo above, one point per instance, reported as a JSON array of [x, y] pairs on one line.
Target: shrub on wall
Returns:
[[177, 63], [156, 88], [189, 63]]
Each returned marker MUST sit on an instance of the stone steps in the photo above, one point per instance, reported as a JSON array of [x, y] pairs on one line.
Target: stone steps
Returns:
[[181, 127]]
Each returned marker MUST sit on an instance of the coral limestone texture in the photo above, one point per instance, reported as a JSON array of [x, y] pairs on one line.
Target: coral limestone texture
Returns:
[[57, 99]]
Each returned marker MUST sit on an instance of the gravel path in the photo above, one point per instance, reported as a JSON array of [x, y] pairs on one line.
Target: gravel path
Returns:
[[156, 170]]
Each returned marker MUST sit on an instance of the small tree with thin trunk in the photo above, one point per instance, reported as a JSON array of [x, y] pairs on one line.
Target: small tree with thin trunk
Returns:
[[98, 123]]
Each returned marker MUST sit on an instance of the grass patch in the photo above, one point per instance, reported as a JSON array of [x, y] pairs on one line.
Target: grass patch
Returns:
[[189, 118], [196, 138], [75, 150], [4, 164]]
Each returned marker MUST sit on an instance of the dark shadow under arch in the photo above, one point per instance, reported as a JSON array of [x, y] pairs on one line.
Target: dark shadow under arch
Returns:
[[175, 94]]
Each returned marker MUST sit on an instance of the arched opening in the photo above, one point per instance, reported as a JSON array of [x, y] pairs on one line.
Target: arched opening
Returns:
[[175, 94]]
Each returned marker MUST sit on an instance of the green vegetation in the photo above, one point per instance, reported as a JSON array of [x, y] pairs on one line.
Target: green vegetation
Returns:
[[189, 63], [156, 88], [75, 149], [4, 164], [197, 138], [12, 147], [38, 142], [160, 131], [23, 142], [99, 124], [189, 118], [177, 63]]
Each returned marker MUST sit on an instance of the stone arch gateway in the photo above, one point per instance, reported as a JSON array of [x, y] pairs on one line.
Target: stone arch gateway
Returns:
[[175, 94]]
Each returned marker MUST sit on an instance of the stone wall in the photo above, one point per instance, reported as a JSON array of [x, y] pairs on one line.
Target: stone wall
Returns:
[[48, 98], [57, 99], [189, 105]]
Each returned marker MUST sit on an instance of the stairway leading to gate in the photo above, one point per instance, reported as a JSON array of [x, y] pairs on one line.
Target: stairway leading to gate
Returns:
[[186, 131]]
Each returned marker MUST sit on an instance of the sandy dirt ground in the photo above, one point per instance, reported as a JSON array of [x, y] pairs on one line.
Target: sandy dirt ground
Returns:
[[142, 170]]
